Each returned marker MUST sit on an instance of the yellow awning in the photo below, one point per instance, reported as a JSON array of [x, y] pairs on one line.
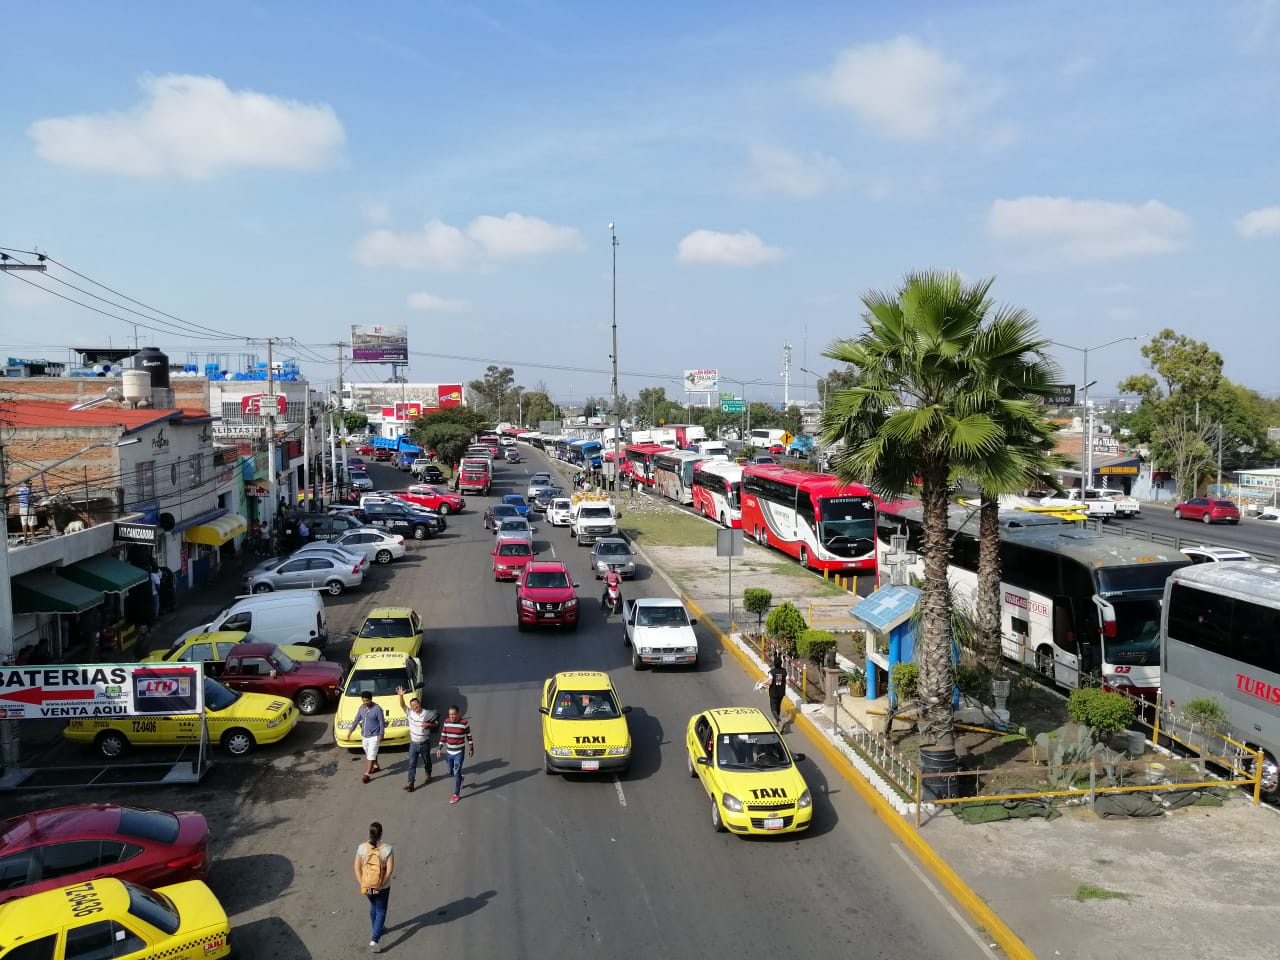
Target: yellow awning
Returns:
[[217, 531]]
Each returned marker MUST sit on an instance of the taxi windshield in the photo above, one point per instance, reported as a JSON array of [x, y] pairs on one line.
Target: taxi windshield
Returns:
[[751, 751], [585, 705], [153, 908], [216, 696], [379, 682], [385, 628]]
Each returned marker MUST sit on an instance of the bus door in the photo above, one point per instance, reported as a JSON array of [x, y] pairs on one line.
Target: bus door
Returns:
[[1066, 644]]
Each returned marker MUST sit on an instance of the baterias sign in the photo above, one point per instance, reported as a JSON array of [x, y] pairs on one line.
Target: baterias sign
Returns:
[[100, 690]]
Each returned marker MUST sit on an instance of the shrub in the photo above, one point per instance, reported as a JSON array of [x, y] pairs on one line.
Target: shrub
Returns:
[[904, 678], [1103, 712], [815, 644], [858, 642], [786, 623], [856, 681], [1207, 712], [974, 681], [757, 601]]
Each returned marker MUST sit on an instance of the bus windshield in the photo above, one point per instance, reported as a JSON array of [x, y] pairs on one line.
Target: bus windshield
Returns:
[[1137, 639], [1145, 579], [847, 525]]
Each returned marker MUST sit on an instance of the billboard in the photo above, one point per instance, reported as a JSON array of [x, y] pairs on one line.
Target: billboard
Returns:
[[379, 343], [450, 394], [100, 690], [701, 381]]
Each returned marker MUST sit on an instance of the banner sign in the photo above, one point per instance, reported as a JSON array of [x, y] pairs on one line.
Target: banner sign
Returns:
[[135, 533], [702, 381], [379, 343], [263, 405], [101, 690], [1064, 396]]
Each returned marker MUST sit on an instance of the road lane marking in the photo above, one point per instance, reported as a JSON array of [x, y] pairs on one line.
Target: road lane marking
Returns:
[[946, 904], [617, 785]]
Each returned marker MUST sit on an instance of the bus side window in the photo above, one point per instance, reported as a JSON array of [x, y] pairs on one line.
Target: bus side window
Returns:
[[804, 509], [1254, 629], [964, 552]]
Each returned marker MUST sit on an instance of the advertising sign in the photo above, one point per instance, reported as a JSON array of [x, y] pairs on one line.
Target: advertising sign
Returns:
[[135, 533], [263, 405], [450, 395], [100, 690], [702, 381], [379, 343], [1064, 397]]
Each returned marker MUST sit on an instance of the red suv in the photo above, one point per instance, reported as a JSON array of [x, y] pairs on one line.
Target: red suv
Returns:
[[545, 595], [433, 498], [1207, 510]]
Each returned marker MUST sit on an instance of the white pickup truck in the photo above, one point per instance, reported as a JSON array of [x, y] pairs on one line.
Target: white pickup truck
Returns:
[[659, 632], [589, 520], [1096, 502]]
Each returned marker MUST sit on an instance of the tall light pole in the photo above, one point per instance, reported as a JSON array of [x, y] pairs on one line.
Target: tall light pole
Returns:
[[822, 388], [1087, 479], [617, 411]]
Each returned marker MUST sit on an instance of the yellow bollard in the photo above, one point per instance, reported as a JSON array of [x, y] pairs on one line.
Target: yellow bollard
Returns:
[[853, 584], [804, 683]]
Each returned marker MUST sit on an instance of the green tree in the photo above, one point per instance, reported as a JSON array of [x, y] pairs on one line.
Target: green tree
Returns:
[[536, 407], [492, 394], [922, 408], [792, 420]]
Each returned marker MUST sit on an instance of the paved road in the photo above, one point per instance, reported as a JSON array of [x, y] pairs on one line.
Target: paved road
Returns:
[[529, 865], [1255, 536]]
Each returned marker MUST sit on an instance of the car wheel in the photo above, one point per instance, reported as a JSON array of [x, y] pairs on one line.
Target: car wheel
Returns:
[[383, 556], [263, 588], [716, 823], [688, 762], [112, 744], [333, 587], [309, 701], [546, 766], [238, 742], [636, 663], [1206, 518], [419, 533], [1177, 514], [444, 509]]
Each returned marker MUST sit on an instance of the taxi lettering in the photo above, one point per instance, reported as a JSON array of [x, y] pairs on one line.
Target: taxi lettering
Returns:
[[588, 739], [83, 900], [144, 726], [769, 793]]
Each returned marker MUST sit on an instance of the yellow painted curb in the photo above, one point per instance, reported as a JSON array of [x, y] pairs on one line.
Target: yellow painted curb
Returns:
[[965, 895]]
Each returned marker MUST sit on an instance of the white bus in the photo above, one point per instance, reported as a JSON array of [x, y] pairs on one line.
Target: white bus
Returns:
[[1220, 633], [673, 474], [1073, 602], [717, 491]]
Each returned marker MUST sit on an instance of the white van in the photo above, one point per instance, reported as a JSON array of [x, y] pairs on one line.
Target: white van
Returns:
[[283, 617]]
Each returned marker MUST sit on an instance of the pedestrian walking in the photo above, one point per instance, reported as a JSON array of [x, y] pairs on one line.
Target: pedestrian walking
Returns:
[[304, 532], [455, 733], [421, 723], [374, 865], [155, 591], [372, 720], [633, 485], [777, 687]]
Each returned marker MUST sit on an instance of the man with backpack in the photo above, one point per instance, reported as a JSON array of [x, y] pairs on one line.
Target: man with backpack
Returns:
[[374, 865]]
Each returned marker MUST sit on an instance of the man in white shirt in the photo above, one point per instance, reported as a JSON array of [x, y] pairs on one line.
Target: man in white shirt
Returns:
[[421, 723]]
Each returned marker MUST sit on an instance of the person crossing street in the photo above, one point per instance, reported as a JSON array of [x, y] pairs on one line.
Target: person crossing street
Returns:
[[455, 734], [421, 723]]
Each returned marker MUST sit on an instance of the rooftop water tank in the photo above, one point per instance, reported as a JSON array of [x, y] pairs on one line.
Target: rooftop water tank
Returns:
[[137, 387], [156, 363]]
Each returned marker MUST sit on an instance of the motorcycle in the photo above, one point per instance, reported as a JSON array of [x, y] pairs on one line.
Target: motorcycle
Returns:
[[611, 602]]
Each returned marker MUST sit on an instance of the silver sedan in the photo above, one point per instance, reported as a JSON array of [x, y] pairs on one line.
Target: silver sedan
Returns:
[[612, 552], [309, 571], [376, 545]]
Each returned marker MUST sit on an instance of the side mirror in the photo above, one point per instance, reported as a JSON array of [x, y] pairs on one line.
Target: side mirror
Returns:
[[693, 622], [797, 757], [626, 709], [493, 553], [703, 761], [545, 711], [576, 585]]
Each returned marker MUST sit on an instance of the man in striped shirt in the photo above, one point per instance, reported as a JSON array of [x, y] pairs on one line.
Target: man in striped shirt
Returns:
[[455, 733]]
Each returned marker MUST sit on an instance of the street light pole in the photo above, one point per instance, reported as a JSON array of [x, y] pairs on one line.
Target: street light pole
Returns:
[[1087, 425], [617, 412]]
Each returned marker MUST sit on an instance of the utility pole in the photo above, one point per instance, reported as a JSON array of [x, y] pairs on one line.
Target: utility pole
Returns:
[[617, 411], [273, 511], [1219, 459], [9, 739], [308, 497], [786, 375], [341, 429]]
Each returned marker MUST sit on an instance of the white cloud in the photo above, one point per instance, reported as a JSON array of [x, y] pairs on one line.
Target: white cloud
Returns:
[[1121, 314], [1259, 223], [515, 235], [904, 90], [430, 303], [741, 249], [1084, 231], [194, 128], [792, 174], [442, 247], [376, 211]]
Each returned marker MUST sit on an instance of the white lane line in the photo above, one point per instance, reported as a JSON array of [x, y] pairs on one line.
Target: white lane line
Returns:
[[946, 904], [553, 551], [617, 785]]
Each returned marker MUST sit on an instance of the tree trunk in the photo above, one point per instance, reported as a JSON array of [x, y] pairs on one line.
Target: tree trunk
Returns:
[[933, 651], [987, 606]]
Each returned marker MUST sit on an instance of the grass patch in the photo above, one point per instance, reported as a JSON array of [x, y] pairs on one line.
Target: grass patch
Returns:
[[1087, 891], [667, 529]]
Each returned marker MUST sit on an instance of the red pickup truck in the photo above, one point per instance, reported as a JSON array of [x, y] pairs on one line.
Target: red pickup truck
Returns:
[[265, 668], [546, 594], [434, 498]]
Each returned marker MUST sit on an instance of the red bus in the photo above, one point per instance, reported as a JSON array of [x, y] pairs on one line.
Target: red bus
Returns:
[[639, 461], [814, 517], [717, 491]]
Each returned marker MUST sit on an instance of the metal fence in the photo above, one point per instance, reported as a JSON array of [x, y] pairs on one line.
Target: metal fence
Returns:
[[1137, 532]]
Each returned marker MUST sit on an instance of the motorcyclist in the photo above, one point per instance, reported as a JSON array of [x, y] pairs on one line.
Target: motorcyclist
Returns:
[[613, 580]]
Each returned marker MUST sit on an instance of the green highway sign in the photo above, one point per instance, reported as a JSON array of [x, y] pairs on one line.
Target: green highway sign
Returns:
[[732, 406]]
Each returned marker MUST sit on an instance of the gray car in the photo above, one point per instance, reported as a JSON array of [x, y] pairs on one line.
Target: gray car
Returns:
[[613, 552], [328, 549], [513, 528], [377, 545], [310, 571]]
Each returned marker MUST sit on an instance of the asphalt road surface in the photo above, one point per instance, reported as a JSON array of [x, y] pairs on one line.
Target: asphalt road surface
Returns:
[[529, 865], [1255, 536]]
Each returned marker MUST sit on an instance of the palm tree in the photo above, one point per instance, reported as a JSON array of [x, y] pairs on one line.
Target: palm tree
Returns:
[[919, 410]]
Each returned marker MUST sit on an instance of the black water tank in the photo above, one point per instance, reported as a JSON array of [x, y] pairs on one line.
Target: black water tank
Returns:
[[156, 363]]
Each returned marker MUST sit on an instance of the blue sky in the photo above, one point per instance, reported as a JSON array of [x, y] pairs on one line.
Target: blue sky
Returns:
[[288, 169]]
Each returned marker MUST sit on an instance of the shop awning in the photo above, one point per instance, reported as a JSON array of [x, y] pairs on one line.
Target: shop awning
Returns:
[[45, 593], [216, 532], [104, 574]]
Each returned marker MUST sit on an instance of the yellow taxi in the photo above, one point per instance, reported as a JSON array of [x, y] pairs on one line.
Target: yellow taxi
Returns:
[[115, 918], [211, 649], [584, 729], [238, 721], [378, 674], [389, 629], [748, 772]]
